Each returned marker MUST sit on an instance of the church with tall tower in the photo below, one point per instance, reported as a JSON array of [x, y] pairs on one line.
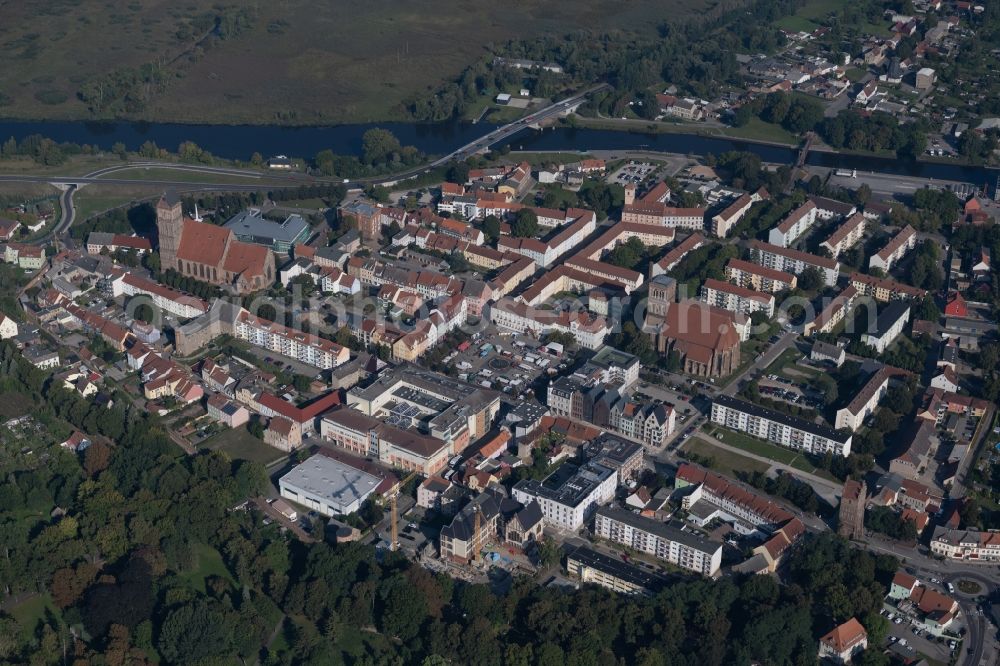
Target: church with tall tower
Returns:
[[208, 252]]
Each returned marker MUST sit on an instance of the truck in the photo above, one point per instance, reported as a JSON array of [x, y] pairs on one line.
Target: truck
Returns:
[[847, 173]]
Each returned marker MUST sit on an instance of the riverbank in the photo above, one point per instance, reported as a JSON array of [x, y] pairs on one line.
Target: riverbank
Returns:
[[756, 132]]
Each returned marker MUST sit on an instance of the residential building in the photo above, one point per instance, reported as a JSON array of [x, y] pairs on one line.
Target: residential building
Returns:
[[98, 241], [659, 213], [731, 216], [612, 366], [843, 642], [618, 454], [591, 566], [676, 254], [824, 352], [305, 347], [713, 496], [793, 261], [895, 249], [866, 401], [76, 442], [851, 522], [846, 236], [794, 225], [828, 209], [735, 298], [570, 495], [328, 486], [835, 312], [966, 544], [665, 542], [884, 290], [283, 434], [224, 410], [788, 431], [27, 257], [891, 322], [41, 357], [590, 330], [759, 278], [163, 298], [429, 492]]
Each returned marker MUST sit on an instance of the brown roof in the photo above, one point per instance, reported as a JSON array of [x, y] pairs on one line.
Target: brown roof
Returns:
[[246, 259], [681, 249], [795, 216], [700, 328], [897, 241], [203, 243], [280, 425], [797, 255], [757, 269], [846, 636], [849, 225], [742, 292]]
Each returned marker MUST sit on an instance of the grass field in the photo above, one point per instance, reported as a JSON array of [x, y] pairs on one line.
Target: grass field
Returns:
[[180, 176], [292, 61], [726, 462], [758, 130], [240, 444], [92, 199], [768, 450], [209, 564], [31, 611]]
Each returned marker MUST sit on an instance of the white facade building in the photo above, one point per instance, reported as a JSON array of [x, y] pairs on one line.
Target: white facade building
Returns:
[[788, 431]]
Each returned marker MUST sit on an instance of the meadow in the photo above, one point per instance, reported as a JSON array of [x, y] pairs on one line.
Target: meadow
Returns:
[[292, 61]]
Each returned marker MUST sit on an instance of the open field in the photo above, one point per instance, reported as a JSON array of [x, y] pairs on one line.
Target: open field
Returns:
[[726, 462], [768, 450], [182, 176], [93, 199], [209, 564], [240, 444], [292, 61]]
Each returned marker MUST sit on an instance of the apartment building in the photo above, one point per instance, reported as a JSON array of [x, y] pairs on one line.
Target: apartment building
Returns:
[[864, 403], [731, 216], [164, 298], [544, 253], [735, 298], [660, 214], [570, 495], [793, 226], [895, 249], [714, 496], [676, 254], [305, 347], [588, 329], [890, 323], [759, 278], [966, 544], [883, 290], [793, 261], [788, 431], [846, 236], [835, 312], [646, 535], [591, 566], [843, 642]]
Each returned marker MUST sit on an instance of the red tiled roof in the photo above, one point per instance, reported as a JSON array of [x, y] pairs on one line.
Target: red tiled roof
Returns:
[[846, 636]]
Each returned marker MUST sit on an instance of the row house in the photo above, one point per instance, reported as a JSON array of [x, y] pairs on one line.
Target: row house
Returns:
[[723, 223], [164, 298], [866, 401], [746, 508], [676, 254], [589, 330], [966, 545]]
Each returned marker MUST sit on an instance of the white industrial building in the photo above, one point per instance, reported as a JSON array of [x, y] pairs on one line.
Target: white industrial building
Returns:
[[327, 486]]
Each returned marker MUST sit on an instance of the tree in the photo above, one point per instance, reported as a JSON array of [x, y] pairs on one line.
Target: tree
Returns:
[[96, 458], [525, 224], [379, 145], [458, 172], [194, 632], [811, 279], [491, 228]]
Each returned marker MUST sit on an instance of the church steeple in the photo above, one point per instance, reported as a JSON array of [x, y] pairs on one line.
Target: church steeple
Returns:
[[169, 225]]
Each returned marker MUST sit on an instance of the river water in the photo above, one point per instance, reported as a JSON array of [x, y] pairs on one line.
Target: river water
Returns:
[[241, 141]]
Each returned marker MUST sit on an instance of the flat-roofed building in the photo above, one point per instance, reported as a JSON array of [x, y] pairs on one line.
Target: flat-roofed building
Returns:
[[788, 431], [591, 566], [328, 486], [665, 542], [570, 495]]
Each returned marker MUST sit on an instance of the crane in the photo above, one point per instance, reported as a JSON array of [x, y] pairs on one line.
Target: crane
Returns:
[[394, 511]]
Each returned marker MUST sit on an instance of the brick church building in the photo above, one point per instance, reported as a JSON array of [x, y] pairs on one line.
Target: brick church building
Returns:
[[210, 253]]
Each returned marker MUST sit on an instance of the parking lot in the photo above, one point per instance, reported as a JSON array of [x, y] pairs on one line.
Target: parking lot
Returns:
[[906, 639], [508, 363], [632, 173]]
